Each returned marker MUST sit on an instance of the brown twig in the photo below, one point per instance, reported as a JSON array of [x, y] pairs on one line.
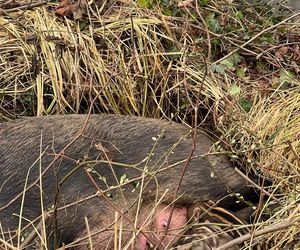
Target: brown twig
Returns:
[[189, 158], [256, 36], [33, 233], [207, 34], [6, 3], [101, 194], [257, 186], [266, 230], [58, 155], [26, 6], [7, 245], [294, 151], [47, 168]]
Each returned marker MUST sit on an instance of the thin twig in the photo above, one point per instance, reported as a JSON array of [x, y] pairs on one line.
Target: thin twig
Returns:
[[256, 36], [266, 230], [189, 158], [59, 154], [101, 194], [33, 233], [7, 245], [257, 186], [6, 3], [207, 34], [23, 7], [88, 233]]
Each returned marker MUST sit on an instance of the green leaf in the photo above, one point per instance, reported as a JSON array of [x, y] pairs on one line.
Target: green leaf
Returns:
[[123, 179], [235, 90], [239, 15], [216, 42], [213, 23], [285, 85], [286, 75], [218, 68], [232, 60], [240, 73], [103, 178], [227, 63], [245, 104], [83, 24], [144, 3], [203, 2], [275, 82], [284, 81], [167, 12], [235, 58]]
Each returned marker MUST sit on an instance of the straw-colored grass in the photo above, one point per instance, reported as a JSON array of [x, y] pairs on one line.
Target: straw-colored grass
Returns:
[[141, 62]]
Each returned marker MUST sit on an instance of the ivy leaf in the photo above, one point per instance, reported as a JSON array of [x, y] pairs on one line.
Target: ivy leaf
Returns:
[[227, 63], [284, 81], [232, 60], [218, 68], [213, 23]]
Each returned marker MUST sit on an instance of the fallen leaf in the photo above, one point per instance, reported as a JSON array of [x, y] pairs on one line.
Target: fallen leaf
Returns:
[[65, 8], [79, 9], [280, 53], [185, 4]]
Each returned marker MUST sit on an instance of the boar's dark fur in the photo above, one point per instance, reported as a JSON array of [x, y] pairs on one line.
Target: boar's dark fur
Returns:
[[134, 142]]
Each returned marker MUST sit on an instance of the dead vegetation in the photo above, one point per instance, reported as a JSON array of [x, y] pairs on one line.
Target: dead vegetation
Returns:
[[148, 59]]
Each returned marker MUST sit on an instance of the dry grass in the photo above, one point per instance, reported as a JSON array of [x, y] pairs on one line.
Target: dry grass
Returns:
[[141, 62]]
